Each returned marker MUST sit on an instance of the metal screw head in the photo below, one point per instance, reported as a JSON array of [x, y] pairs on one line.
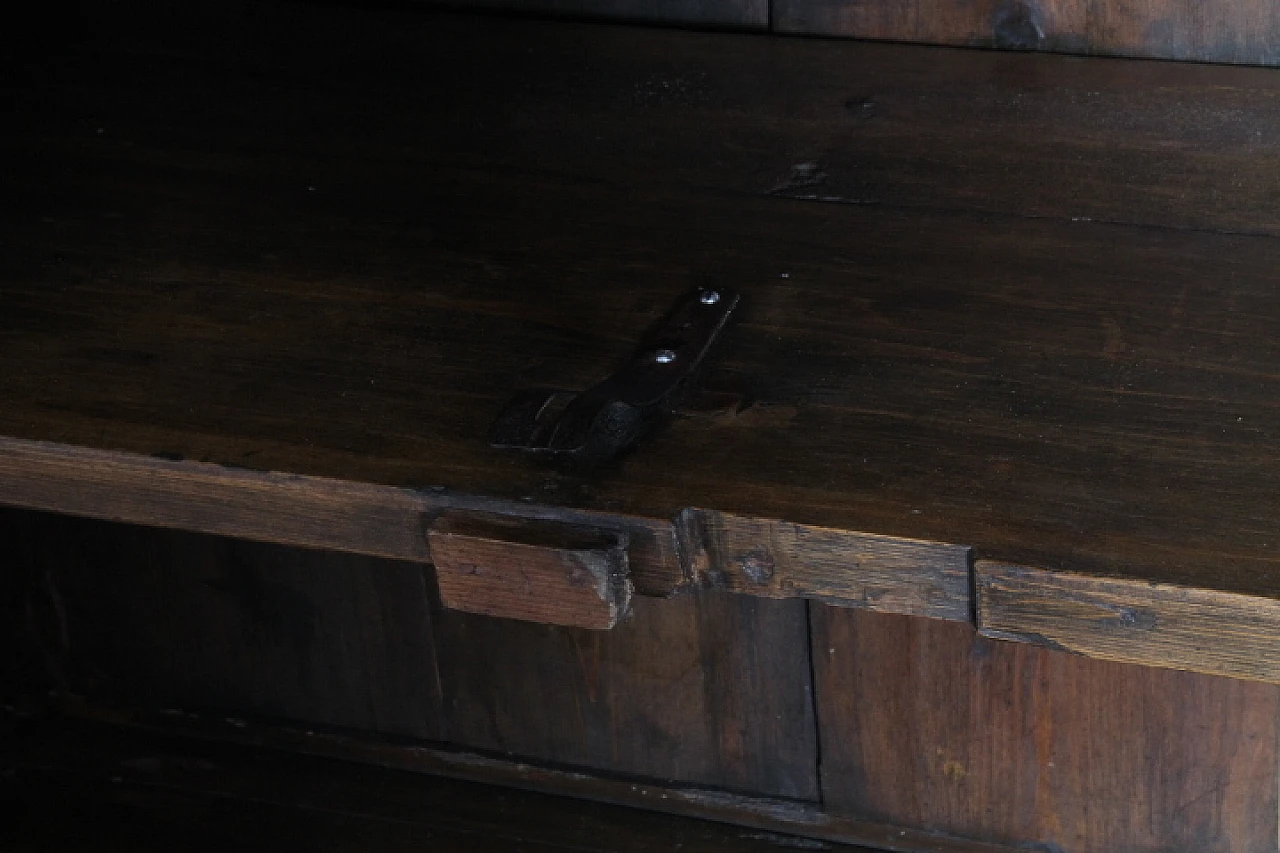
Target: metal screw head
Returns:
[[664, 356], [709, 297]]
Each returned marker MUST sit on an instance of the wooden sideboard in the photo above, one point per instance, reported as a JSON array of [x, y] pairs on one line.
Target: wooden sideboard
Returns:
[[964, 540]]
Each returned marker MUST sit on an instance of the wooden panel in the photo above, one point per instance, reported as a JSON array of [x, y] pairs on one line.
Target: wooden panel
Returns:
[[1200, 630], [925, 723], [709, 689], [1242, 31], [309, 512], [555, 574], [776, 559], [767, 814], [175, 620], [68, 788], [296, 279], [739, 14]]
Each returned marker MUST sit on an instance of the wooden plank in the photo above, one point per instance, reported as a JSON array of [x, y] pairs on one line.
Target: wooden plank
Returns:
[[181, 621], [1241, 31], [707, 689], [924, 723], [1123, 620], [287, 509], [71, 787], [1049, 136], [776, 559], [739, 14], [310, 512], [554, 574], [970, 366], [788, 817]]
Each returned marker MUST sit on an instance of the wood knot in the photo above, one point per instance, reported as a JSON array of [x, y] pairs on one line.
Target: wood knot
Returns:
[[757, 565]]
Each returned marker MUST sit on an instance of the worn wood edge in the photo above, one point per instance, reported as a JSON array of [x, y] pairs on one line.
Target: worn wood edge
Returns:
[[548, 572], [779, 559], [1161, 625], [286, 509], [790, 817]]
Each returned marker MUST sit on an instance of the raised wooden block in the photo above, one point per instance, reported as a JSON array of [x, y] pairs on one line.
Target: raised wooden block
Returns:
[[533, 570]]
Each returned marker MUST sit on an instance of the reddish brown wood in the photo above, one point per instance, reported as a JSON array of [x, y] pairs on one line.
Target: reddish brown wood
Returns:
[[924, 723], [1241, 31], [553, 573], [707, 688]]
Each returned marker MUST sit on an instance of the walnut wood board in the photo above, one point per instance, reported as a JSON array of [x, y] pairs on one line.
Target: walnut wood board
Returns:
[[1240, 31], [256, 266], [925, 723], [708, 689], [71, 787]]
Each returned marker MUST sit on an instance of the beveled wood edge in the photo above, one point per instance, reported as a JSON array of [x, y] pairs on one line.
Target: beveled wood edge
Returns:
[[1126, 620], [791, 817], [1131, 621]]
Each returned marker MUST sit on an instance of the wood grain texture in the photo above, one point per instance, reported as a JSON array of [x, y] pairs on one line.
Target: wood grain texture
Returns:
[[296, 278], [707, 689], [554, 574], [1239, 31], [775, 559], [287, 509], [736, 14], [924, 723], [1116, 619]]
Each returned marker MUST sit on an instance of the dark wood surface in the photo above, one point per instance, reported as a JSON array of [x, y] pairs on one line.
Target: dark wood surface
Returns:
[[708, 689], [1034, 316], [771, 815], [68, 787], [925, 723], [734, 14], [178, 621], [1243, 31]]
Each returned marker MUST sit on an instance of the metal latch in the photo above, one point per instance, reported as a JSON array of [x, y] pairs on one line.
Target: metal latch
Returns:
[[599, 423]]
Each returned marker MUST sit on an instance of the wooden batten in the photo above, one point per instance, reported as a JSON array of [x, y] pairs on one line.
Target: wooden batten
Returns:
[[1202, 630], [778, 559]]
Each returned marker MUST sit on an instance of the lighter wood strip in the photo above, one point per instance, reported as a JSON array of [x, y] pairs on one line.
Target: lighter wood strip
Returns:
[[778, 559], [1200, 630]]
